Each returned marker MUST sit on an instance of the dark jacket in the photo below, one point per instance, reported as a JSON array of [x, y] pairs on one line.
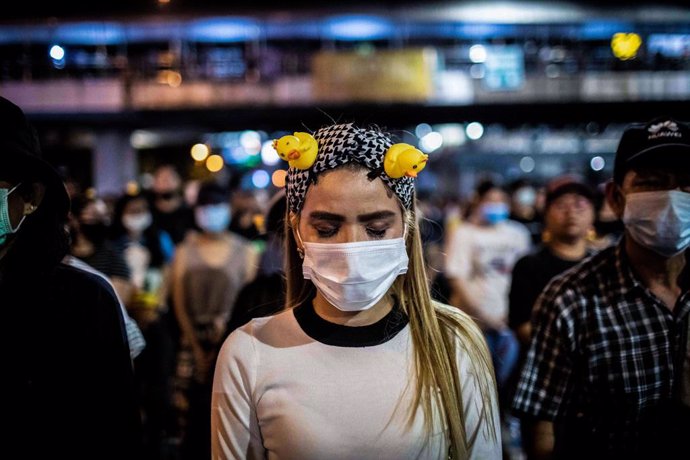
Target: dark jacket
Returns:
[[67, 386]]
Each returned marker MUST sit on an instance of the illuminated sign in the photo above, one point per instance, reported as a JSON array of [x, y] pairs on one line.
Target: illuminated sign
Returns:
[[625, 45]]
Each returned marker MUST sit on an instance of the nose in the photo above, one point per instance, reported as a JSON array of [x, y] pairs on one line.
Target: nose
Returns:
[[352, 234]]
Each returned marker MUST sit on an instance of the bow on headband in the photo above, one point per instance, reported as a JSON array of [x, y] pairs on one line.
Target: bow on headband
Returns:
[[396, 164]]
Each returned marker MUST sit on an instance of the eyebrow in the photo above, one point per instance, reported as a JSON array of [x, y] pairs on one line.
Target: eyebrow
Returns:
[[378, 215]]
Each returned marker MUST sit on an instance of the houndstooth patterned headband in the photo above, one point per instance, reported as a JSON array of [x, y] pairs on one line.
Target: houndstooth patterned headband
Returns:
[[341, 144]]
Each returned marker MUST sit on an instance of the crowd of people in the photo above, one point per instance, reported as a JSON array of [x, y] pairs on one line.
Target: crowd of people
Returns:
[[355, 319]]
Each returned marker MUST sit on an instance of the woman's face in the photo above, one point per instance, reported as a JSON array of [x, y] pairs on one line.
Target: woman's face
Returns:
[[344, 206]]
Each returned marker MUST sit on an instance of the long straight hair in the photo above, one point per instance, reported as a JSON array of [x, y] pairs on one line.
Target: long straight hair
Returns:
[[436, 331]]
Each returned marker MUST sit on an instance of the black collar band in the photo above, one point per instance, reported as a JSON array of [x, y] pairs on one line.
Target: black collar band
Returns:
[[350, 336]]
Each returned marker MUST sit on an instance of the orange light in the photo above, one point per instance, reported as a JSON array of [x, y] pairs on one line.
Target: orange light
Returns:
[[214, 163], [278, 178]]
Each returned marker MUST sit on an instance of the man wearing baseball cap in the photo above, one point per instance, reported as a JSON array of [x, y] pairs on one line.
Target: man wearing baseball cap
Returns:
[[607, 370], [68, 383]]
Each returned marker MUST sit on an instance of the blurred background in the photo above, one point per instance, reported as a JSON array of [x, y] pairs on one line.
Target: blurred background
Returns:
[[506, 89]]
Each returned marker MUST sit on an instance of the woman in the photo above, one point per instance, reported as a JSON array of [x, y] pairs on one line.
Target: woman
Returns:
[[147, 252], [209, 269], [362, 364], [68, 385]]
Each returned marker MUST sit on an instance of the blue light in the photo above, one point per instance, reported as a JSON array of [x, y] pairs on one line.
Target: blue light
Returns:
[[260, 178], [358, 27], [603, 30], [90, 33], [223, 30]]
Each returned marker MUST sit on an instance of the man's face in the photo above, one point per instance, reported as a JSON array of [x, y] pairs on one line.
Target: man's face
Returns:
[[640, 179]]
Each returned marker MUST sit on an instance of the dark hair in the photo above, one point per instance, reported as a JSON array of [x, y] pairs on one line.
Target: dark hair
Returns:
[[212, 193], [485, 186]]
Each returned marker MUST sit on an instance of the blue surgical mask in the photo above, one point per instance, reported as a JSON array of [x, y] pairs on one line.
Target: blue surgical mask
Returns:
[[494, 213], [5, 222], [659, 220], [213, 218]]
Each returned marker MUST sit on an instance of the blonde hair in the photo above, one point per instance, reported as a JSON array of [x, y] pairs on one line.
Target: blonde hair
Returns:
[[435, 331]]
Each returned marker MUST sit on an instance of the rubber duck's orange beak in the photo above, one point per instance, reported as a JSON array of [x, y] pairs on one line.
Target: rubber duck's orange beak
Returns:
[[411, 173], [293, 155]]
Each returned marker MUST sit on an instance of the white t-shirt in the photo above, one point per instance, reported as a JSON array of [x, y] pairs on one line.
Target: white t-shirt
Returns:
[[279, 393], [482, 258]]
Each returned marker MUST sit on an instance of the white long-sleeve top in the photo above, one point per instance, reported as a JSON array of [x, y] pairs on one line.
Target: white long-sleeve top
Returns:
[[293, 386]]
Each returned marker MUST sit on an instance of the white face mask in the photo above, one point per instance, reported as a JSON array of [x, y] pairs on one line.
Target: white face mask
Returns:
[[659, 220], [526, 196], [354, 276], [138, 222]]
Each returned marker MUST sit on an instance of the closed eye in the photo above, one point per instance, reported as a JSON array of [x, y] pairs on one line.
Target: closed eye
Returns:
[[376, 233], [326, 232]]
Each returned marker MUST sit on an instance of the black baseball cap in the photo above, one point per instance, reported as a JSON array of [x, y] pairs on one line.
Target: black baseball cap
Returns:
[[20, 153], [567, 184], [663, 141]]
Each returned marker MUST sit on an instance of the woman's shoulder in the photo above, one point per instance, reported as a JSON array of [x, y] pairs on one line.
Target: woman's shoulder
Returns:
[[267, 327]]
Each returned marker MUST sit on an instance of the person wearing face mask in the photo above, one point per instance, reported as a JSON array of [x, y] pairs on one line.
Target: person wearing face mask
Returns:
[[169, 209], [148, 251], [209, 268], [362, 363], [480, 255], [68, 386], [607, 371], [524, 207], [91, 243]]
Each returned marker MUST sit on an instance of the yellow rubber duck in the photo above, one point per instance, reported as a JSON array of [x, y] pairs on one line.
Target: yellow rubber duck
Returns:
[[299, 150], [403, 160]]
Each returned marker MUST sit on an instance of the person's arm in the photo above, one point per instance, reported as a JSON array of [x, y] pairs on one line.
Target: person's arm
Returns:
[[235, 432], [179, 304]]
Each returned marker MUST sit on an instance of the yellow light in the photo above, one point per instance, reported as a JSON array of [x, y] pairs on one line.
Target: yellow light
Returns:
[[199, 152], [132, 188], [278, 178], [174, 79], [214, 163], [169, 77], [625, 45]]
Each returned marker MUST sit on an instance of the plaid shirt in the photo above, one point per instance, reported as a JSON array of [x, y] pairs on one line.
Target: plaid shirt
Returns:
[[601, 362]]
